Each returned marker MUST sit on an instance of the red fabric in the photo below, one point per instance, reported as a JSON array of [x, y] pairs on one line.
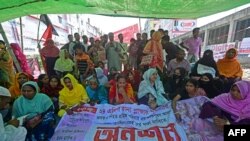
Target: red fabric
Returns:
[[48, 32], [20, 57]]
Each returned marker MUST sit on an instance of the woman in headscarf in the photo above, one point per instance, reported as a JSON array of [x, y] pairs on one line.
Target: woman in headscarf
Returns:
[[9, 131], [50, 52], [208, 84], [154, 48], [121, 92], [64, 64], [151, 91], [229, 68], [52, 90], [71, 95], [102, 79], [42, 82], [176, 82], [6, 64], [230, 108], [39, 110], [20, 79], [191, 90], [206, 64], [134, 78], [97, 93]]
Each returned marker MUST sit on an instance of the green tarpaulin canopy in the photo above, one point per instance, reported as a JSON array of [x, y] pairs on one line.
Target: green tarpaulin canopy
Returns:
[[10, 9]]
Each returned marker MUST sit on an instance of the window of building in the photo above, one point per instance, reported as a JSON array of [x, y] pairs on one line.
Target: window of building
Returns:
[[202, 35], [60, 19], [242, 30], [218, 35]]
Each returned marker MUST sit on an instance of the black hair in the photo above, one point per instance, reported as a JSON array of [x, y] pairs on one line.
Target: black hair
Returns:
[[120, 34], [132, 39], [179, 51], [39, 82], [194, 82], [166, 38], [56, 77], [183, 71], [2, 42], [121, 76], [79, 46], [161, 30], [66, 78], [196, 29]]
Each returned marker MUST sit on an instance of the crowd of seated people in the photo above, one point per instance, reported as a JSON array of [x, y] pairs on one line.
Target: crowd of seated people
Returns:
[[86, 79]]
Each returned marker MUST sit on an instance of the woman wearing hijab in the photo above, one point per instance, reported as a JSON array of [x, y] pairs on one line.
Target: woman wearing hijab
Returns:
[[208, 84], [50, 52], [154, 48], [38, 109], [71, 95], [229, 68], [64, 64], [20, 79], [43, 82], [102, 79], [176, 82], [10, 131], [151, 91], [206, 64], [6, 64], [121, 92], [230, 108], [97, 93], [52, 90]]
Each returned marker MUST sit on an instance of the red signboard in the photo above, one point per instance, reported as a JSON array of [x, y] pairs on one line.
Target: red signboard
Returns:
[[128, 33]]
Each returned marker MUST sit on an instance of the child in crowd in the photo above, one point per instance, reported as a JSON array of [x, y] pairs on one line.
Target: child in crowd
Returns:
[[101, 65], [83, 62], [121, 92], [96, 92]]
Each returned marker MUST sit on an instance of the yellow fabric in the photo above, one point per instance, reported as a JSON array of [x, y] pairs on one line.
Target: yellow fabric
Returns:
[[15, 89], [230, 68], [72, 97], [7, 66], [154, 47]]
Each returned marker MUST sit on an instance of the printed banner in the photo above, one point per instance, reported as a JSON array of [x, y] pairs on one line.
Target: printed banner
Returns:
[[196, 128], [128, 33], [219, 50], [126, 122], [245, 46]]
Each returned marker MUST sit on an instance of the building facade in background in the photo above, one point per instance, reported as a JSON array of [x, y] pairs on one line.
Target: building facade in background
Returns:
[[64, 24], [228, 32], [175, 27]]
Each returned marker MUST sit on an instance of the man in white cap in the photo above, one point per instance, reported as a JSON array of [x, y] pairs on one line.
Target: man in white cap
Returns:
[[10, 131]]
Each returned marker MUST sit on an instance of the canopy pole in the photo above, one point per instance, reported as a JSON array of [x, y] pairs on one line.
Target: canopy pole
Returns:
[[140, 24], [39, 46], [9, 49], [21, 31]]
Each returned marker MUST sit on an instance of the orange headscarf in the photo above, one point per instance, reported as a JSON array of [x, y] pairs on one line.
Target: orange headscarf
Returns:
[[154, 47], [230, 68], [15, 89]]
